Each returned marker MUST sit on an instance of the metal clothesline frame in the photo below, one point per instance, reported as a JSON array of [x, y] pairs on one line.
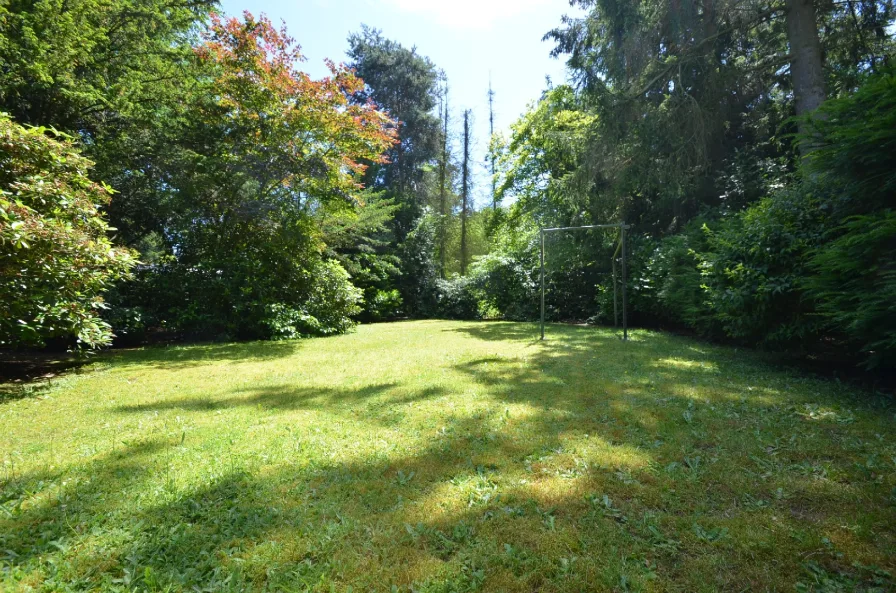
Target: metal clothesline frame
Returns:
[[622, 227]]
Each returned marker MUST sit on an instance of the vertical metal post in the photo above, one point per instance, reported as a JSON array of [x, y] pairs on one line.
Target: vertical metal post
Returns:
[[542, 284], [615, 294], [624, 282]]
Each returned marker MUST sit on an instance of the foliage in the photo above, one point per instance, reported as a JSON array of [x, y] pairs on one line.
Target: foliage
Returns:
[[535, 163], [479, 239], [94, 66], [121, 76], [855, 284], [667, 286], [332, 300], [56, 259], [247, 236], [357, 237], [404, 84], [328, 309], [458, 298], [853, 277], [258, 297], [508, 285], [383, 305], [755, 266], [687, 94], [854, 151], [676, 125], [309, 140], [419, 270]]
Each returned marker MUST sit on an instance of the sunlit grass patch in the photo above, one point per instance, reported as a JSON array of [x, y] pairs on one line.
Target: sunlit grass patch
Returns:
[[442, 456]]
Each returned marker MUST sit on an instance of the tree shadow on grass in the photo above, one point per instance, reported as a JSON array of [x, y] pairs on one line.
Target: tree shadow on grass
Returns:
[[716, 440], [184, 356], [92, 529], [39, 507], [570, 335], [289, 397], [589, 464], [477, 506], [292, 526], [28, 374]]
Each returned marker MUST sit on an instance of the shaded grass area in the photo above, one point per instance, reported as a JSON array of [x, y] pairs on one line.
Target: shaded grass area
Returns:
[[26, 374], [448, 456]]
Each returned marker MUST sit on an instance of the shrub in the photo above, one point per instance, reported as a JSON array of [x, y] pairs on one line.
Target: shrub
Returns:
[[854, 282], [383, 305], [507, 286], [56, 260], [853, 278], [666, 280], [740, 277], [458, 298], [855, 147], [332, 299], [419, 274], [195, 302], [755, 266]]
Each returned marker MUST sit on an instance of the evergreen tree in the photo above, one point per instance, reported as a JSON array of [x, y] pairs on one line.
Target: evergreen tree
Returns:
[[694, 96], [405, 85]]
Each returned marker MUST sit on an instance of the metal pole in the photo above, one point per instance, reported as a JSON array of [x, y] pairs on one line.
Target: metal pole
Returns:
[[542, 284], [624, 282], [615, 288], [615, 297]]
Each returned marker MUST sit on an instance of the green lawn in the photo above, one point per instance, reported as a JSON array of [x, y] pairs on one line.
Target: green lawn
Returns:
[[444, 456]]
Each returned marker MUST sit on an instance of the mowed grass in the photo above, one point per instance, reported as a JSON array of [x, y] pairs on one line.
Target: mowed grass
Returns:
[[447, 456]]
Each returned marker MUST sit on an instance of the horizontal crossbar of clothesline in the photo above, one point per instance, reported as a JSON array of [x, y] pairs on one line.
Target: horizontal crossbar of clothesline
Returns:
[[591, 226]]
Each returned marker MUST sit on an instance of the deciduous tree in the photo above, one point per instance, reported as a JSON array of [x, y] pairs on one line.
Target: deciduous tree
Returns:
[[56, 257]]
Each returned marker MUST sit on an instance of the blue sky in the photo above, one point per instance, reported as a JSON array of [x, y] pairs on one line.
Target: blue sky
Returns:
[[469, 39]]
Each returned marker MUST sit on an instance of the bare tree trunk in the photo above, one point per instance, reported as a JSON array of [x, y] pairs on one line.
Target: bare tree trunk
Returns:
[[491, 137], [806, 65], [465, 195], [443, 189]]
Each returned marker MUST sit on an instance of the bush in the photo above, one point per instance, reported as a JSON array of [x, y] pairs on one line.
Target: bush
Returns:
[[458, 299], [855, 147], [383, 305], [854, 283], [740, 277], [853, 274], [507, 286], [419, 274], [192, 302], [56, 260], [812, 264], [332, 299], [666, 283], [755, 267]]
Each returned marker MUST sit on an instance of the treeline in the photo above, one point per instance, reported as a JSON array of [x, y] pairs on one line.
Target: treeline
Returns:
[[752, 146], [167, 170]]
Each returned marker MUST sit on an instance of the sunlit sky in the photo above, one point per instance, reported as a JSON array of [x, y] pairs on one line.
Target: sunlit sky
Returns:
[[469, 39]]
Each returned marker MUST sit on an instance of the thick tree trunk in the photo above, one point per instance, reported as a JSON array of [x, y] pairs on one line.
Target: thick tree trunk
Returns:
[[806, 66], [465, 191]]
